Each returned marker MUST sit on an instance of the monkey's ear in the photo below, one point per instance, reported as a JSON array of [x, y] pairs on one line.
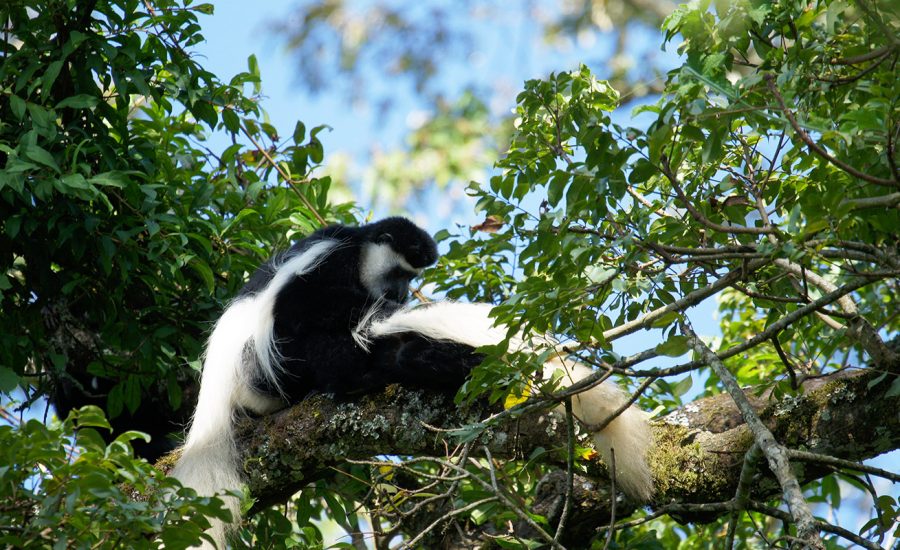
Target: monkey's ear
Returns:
[[384, 238]]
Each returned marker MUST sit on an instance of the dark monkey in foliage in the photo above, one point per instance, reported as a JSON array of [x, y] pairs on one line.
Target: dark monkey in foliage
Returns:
[[328, 316]]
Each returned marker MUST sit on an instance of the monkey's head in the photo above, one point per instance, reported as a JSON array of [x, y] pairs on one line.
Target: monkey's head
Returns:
[[394, 251]]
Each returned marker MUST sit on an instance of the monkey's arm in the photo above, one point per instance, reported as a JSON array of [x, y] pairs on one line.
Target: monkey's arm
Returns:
[[418, 362], [337, 365]]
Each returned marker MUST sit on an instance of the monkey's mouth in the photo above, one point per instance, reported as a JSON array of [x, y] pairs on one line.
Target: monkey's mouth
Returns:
[[397, 290]]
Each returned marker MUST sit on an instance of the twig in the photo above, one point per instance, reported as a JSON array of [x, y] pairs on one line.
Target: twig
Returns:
[[666, 169], [891, 135], [807, 456], [775, 454], [505, 500], [623, 366], [691, 299], [859, 326], [570, 471], [815, 147], [822, 525], [491, 470], [612, 498], [741, 494], [753, 506], [287, 179], [760, 296], [455, 512], [792, 372], [643, 200], [862, 58]]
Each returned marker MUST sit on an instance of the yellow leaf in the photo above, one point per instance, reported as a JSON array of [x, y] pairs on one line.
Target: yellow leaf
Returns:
[[513, 399]]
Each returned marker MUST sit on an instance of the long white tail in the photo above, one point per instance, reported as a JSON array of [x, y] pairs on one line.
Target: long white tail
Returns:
[[628, 434], [208, 462], [240, 349]]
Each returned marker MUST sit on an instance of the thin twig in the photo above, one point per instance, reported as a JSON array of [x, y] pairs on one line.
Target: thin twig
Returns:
[[807, 456], [859, 327], [612, 498], [690, 299], [785, 360], [285, 176], [570, 471], [453, 513], [742, 493], [667, 171], [815, 147]]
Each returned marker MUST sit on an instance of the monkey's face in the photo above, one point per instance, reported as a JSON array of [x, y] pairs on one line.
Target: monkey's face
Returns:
[[407, 239], [384, 273], [395, 253]]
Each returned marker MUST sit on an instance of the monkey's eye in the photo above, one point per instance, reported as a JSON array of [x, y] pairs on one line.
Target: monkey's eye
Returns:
[[384, 238]]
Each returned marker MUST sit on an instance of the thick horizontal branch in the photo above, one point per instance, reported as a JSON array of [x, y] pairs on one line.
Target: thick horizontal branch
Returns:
[[882, 201], [695, 457]]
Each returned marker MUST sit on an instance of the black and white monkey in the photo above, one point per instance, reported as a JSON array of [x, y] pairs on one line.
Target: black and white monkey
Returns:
[[328, 316]]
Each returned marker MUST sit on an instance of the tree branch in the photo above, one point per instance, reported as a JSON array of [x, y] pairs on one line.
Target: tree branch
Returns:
[[859, 327], [697, 455], [815, 147], [697, 215], [775, 454]]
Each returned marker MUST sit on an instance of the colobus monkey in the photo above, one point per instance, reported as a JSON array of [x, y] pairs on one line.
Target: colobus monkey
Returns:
[[299, 326], [328, 316], [317, 342]]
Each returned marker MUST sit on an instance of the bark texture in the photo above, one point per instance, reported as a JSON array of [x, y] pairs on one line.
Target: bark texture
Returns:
[[696, 457]]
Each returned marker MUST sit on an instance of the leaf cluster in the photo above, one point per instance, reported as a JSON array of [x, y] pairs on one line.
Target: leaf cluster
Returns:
[[124, 227], [63, 486]]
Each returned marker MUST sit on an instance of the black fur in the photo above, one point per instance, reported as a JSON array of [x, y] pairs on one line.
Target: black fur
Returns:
[[315, 314]]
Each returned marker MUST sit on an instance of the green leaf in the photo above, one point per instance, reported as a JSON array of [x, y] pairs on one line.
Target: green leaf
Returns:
[[712, 147], [205, 273], [43, 120], [9, 380], [299, 132], [50, 74], [17, 104], [714, 64], [81, 101], [674, 346], [113, 178], [253, 68], [41, 156], [666, 320], [93, 416], [641, 171], [231, 121], [12, 226], [131, 435], [75, 181], [682, 386], [895, 388]]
